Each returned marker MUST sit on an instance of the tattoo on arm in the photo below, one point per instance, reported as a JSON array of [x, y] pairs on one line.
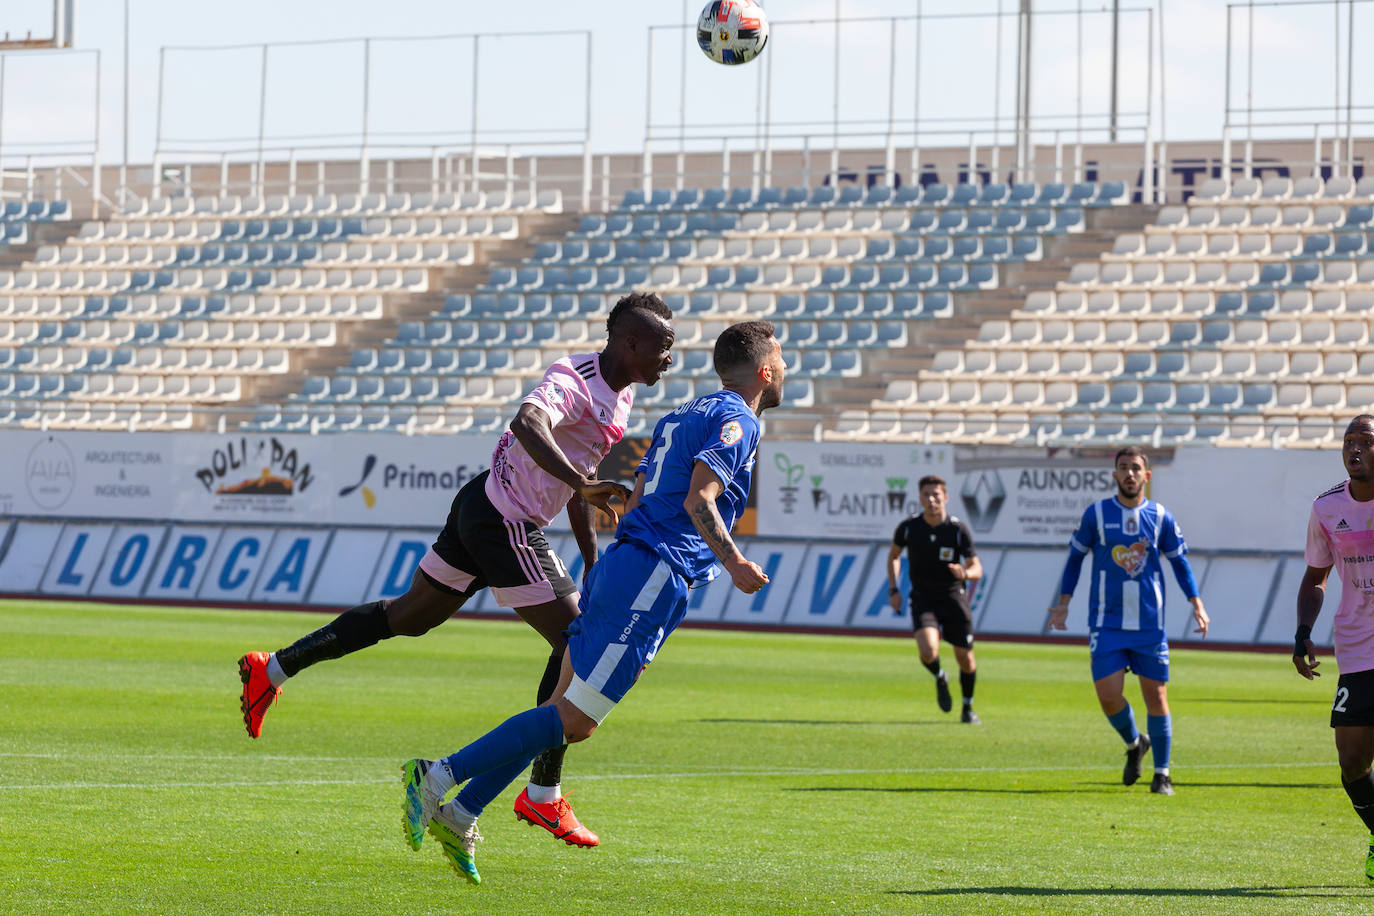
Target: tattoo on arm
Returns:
[[712, 529]]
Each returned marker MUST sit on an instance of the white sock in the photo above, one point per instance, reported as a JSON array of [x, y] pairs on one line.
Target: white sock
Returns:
[[544, 795], [1161, 771], [274, 672], [440, 778], [460, 814]]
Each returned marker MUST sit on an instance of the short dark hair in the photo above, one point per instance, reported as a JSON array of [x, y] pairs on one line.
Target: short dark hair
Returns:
[[930, 480], [742, 346], [1362, 418], [637, 302], [1132, 451]]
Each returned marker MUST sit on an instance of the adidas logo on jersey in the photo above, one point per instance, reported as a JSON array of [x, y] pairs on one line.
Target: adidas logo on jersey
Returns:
[[1342, 526]]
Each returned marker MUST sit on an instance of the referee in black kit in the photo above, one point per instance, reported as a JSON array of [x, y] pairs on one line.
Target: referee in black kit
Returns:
[[941, 562]]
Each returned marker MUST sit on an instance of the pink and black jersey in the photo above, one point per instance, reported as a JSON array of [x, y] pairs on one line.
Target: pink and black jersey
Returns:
[[587, 416], [1340, 534]]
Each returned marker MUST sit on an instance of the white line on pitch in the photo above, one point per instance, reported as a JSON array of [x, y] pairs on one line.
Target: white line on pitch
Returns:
[[612, 776]]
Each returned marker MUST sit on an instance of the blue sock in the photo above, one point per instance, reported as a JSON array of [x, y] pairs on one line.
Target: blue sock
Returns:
[[1161, 730], [520, 738], [483, 788], [1124, 723]]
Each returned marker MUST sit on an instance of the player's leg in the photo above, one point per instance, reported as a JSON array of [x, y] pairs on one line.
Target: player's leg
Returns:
[[1150, 660], [527, 576], [957, 625], [927, 634], [1159, 727], [426, 604], [1352, 720], [1109, 663], [608, 648], [447, 575]]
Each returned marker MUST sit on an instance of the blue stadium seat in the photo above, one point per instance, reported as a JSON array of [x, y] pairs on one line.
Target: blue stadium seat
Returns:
[[822, 196], [922, 221], [687, 199], [768, 197], [963, 194], [712, 198], [847, 304]]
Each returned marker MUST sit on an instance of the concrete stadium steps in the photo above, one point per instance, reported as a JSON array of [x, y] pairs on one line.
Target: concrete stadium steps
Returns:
[[352, 336], [973, 307]]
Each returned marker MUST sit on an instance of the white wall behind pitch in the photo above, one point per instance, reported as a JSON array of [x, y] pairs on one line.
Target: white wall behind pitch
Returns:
[[184, 562], [76, 558], [129, 559], [30, 552], [827, 585], [290, 565], [782, 562], [236, 564], [348, 566]]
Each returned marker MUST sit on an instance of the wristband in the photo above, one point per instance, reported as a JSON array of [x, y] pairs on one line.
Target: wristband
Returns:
[[893, 590], [1300, 640]]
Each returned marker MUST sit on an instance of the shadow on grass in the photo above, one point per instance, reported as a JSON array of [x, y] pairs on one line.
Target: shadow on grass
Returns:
[[816, 722], [1281, 893], [1083, 789], [1078, 788], [1256, 701]]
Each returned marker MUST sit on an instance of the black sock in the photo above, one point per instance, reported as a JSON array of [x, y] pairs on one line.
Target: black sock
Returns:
[[933, 666], [966, 679], [354, 629], [548, 766], [1361, 793]]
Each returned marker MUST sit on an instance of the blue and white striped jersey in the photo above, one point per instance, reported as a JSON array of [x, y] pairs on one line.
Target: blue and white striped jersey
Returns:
[[1127, 545]]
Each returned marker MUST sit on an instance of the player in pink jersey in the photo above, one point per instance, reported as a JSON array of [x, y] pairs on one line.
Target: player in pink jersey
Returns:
[[544, 463], [1340, 532]]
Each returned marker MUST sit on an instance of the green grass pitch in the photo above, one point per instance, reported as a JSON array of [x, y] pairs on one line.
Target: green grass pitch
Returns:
[[747, 773]]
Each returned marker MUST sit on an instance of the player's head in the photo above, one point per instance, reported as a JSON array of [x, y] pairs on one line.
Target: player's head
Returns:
[[934, 494], [748, 359], [1357, 448], [639, 332], [1131, 471]]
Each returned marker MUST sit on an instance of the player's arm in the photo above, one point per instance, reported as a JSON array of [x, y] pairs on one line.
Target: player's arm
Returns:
[[894, 572], [702, 492], [1311, 594], [532, 428], [1172, 546], [582, 520], [1080, 542], [638, 493], [972, 567]]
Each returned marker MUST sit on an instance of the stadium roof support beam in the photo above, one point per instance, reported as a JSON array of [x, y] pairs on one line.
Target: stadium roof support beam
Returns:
[[1023, 92]]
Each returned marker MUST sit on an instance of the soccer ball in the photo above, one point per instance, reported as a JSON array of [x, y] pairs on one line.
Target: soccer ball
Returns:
[[732, 31]]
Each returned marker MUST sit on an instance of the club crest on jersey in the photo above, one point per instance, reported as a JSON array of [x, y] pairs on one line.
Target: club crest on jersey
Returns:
[[731, 432], [1130, 525], [1131, 559]]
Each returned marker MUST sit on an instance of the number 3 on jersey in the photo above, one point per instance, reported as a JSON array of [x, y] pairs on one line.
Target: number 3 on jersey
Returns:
[[660, 455]]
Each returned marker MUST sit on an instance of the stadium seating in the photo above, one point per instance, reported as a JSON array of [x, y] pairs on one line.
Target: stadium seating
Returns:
[[837, 273], [1242, 316]]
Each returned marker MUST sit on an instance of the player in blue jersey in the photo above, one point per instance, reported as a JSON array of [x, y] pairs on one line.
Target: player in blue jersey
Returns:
[[1129, 536], [690, 487]]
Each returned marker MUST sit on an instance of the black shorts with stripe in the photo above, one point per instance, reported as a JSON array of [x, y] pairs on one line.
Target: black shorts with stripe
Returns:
[[1354, 702], [481, 548]]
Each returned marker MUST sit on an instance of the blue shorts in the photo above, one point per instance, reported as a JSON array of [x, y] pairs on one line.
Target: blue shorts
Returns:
[[631, 602], [1146, 652]]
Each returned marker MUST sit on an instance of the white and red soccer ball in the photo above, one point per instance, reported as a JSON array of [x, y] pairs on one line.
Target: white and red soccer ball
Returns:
[[732, 32]]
